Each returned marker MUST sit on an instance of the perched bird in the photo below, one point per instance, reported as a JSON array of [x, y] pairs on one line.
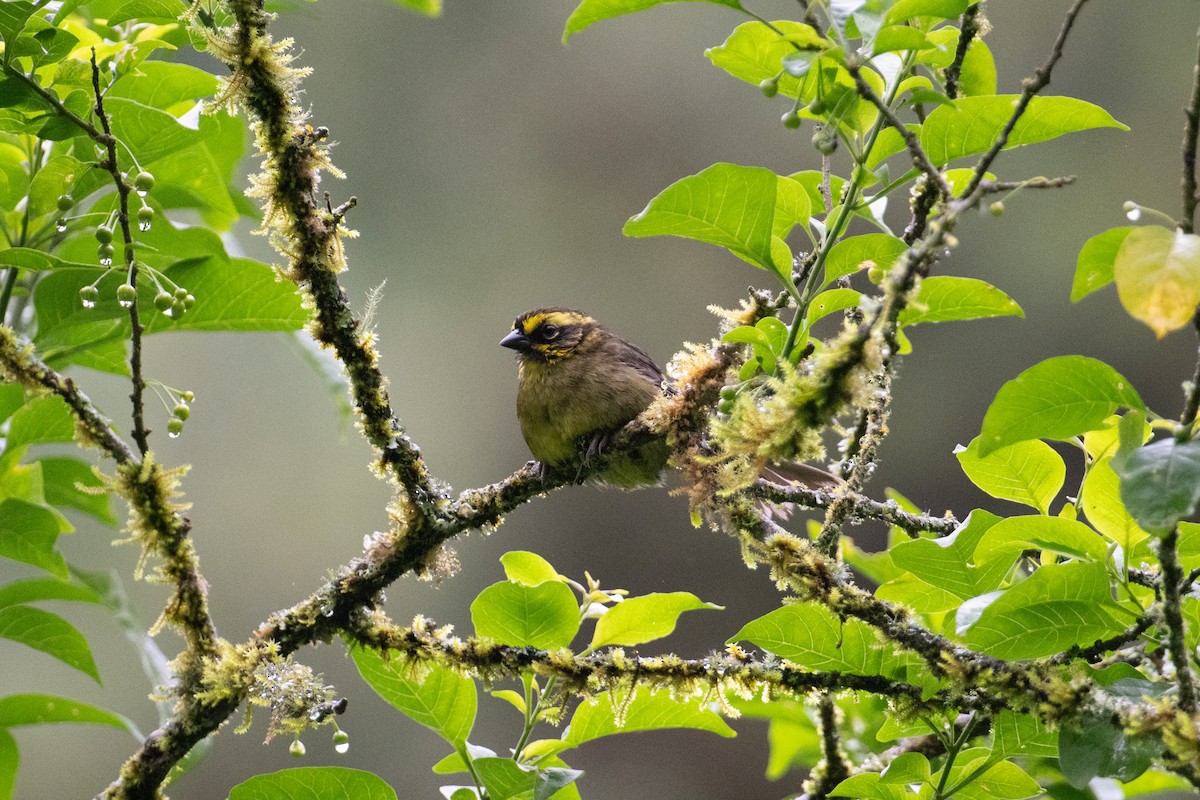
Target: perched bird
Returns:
[[578, 383]]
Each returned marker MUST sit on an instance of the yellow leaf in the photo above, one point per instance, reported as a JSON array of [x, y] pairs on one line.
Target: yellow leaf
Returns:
[[1157, 272]]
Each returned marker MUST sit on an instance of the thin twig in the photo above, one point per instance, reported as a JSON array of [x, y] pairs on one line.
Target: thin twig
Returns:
[[919, 157], [968, 29], [1191, 398], [109, 163], [835, 766], [1191, 130], [862, 507], [1030, 88]]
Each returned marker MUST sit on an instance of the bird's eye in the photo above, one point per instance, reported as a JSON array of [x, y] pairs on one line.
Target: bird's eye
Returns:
[[550, 332]]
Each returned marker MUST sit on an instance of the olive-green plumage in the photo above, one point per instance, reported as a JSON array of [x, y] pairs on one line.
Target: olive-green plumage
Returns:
[[578, 383]]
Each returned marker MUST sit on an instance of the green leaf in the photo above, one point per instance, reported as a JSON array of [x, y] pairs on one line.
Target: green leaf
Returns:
[[1094, 747], [38, 261], [907, 9], [530, 569], [1011, 536], [727, 205], [906, 768], [10, 759], [1067, 604], [149, 132], [1029, 472], [13, 16], [503, 778], [1157, 271], [1105, 511], [918, 595], [50, 634], [36, 590], [893, 38], [644, 619], [42, 420], [42, 709], [978, 76], [869, 786], [647, 711], [589, 12], [792, 206], [1002, 781], [434, 697], [62, 480], [831, 301], [1016, 734], [947, 562], [1160, 481], [27, 534], [862, 252], [430, 8], [146, 11], [811, 636], [545, 616], [971, 125], [314, 783], [1059, 398], [1094, 267], [944, 298], [754, 53]]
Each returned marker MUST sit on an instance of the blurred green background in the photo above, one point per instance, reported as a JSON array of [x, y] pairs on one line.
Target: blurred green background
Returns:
[[494, 168]]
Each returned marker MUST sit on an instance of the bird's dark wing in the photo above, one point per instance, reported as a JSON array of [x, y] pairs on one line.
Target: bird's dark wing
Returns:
[[637, 358]]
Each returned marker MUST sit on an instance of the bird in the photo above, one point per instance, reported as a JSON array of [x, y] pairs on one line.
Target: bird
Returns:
[[578, 383]]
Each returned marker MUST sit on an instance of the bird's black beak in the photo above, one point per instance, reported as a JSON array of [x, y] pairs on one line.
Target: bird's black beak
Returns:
[[516, 341]]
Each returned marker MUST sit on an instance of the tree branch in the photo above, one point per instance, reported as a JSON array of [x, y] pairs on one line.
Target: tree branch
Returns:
[[1172, 580], [1191, 131]]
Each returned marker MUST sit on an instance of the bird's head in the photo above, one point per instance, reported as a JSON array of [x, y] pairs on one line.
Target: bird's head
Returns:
[[549, 334]]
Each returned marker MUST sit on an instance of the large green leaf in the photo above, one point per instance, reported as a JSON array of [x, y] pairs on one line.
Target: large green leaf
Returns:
[[1012, 536], [314, 783], [1058, 398], [809, 635], [530, 569], [545, 616], [644, 619], [65, 482], [1096, 747], [1066, 604], [43, 420], [590, 12], [943, 298], [878, 250], [149, 132], [34, 590], [971, 125], [1106, 512], [42, 709], [1027, 472], [50, 634], [727, 205], [163, 84], [504, 778], [28, 533], [430, 695], [1016, 734], [647, 711], [948, 562], [754, 53]]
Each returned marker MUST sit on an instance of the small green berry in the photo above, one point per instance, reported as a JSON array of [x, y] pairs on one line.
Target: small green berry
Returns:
[[145, 218], [189, 301], [875, 274], [725, 406], [770, 86], [180, 293], [104, 234], [143, 182], [818, 106], [297, 748], [89, 296], [729, 393], [791, 119], [182, 411], [163, 301], [126, 295], [65, 202], [341, 741], [824, 143], [105, 253], [996, 208], [177, 309], [174, 427], [187, 396]]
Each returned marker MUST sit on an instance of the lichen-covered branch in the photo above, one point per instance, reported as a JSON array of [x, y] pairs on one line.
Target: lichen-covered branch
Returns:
[[1191, 132], [1172, 580], [861, 507]]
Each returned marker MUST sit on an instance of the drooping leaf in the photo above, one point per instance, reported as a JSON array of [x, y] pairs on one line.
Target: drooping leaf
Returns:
[[314, 783], [35, 590], [435, 697], [647, 711], [644, 619], [530, 569], [545, 616], [971, 125], [943, 298], [1160, 481], [1067, 604], [1058, 398], [1107, 513], [49, 633], [590, 12], [1094, 267], [1028, 472], [1157, 271]]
